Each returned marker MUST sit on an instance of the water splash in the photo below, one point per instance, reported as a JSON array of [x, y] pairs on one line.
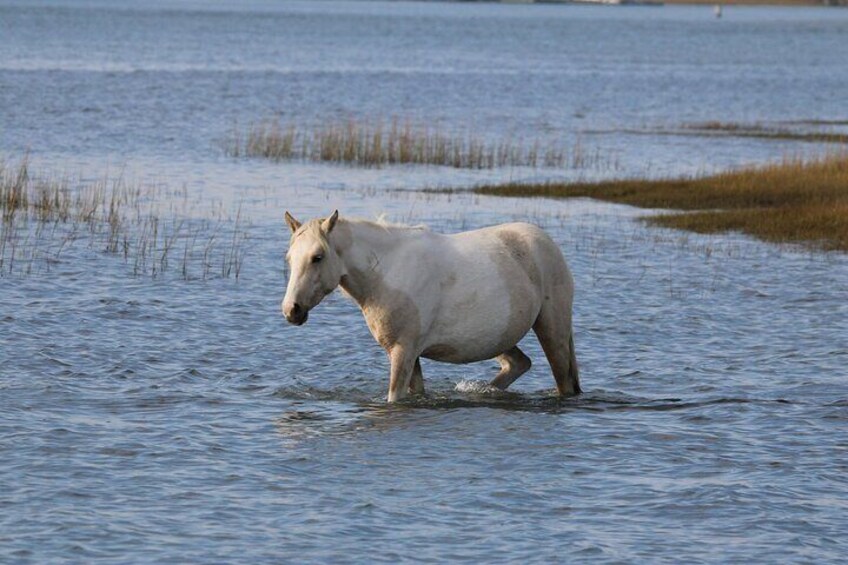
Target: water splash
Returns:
[[476, 386]]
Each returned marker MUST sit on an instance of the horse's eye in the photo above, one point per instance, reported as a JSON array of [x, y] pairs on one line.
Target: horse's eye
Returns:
[[317, 258]]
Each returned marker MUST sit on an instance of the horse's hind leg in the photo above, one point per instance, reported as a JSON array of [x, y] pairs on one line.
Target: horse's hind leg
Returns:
[[553, 328], [416, 383], [513, 364]]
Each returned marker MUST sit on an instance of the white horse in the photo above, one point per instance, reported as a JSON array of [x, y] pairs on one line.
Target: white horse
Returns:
[[455, 298]]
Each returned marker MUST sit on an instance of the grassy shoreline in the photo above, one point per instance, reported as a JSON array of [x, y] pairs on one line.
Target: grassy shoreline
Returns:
[[795, 201]]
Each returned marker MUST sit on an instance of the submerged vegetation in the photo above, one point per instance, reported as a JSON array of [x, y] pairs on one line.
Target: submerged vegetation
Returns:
[[379, 143], [794, 201], [42, 217]]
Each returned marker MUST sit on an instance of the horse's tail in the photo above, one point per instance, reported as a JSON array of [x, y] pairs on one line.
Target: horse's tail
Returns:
[[573, 371]]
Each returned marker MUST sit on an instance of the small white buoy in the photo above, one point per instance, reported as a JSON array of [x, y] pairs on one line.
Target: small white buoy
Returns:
[[717, 10]]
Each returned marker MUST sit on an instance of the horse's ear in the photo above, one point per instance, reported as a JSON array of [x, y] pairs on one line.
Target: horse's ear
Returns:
[[293, 224], [330, 222]]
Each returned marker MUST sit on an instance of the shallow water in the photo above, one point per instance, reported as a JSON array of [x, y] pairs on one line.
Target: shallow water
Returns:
[[152, 420]]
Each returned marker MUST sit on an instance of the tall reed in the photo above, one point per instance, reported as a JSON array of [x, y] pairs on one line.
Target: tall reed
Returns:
[[112, 215], [379, 142]]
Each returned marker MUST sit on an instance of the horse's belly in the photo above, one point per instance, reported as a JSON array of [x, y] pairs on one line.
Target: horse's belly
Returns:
[[465, 351], [483, 331], [494, 295]]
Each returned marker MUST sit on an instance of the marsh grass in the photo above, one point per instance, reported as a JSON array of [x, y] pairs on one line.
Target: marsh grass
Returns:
[[42, 217], [794, 201], [806, 131], [761, 131], [817, 122], [378, 143]]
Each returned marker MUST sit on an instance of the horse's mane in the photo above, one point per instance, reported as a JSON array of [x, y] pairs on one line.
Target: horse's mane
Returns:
[[385, 224]]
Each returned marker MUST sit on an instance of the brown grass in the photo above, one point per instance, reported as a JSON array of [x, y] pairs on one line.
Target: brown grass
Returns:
[[795, 201], [379, 142]]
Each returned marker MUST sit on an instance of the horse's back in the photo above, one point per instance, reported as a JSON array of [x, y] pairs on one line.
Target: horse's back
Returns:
[[519, 246]]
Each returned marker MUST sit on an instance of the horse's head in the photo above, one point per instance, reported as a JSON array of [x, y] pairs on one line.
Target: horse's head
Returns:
[[315, 268]]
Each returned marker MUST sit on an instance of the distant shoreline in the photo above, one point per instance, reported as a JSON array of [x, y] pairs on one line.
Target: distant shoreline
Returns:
[[822, 3], [754, 2]]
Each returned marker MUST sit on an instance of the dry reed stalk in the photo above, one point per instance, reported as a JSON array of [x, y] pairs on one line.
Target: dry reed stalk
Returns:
[[118, 217], [375, 144]]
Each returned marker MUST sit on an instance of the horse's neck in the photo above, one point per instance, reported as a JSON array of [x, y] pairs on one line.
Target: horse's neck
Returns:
[[365, 256]]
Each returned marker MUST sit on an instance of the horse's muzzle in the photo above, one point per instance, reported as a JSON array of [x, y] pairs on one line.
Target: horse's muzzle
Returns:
[[297, 316]]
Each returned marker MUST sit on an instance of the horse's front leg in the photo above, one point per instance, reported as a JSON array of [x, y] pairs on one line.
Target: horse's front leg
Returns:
[[403, 364]]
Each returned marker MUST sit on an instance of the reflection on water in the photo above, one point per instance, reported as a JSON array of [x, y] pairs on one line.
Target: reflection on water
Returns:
[[342, 412]]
